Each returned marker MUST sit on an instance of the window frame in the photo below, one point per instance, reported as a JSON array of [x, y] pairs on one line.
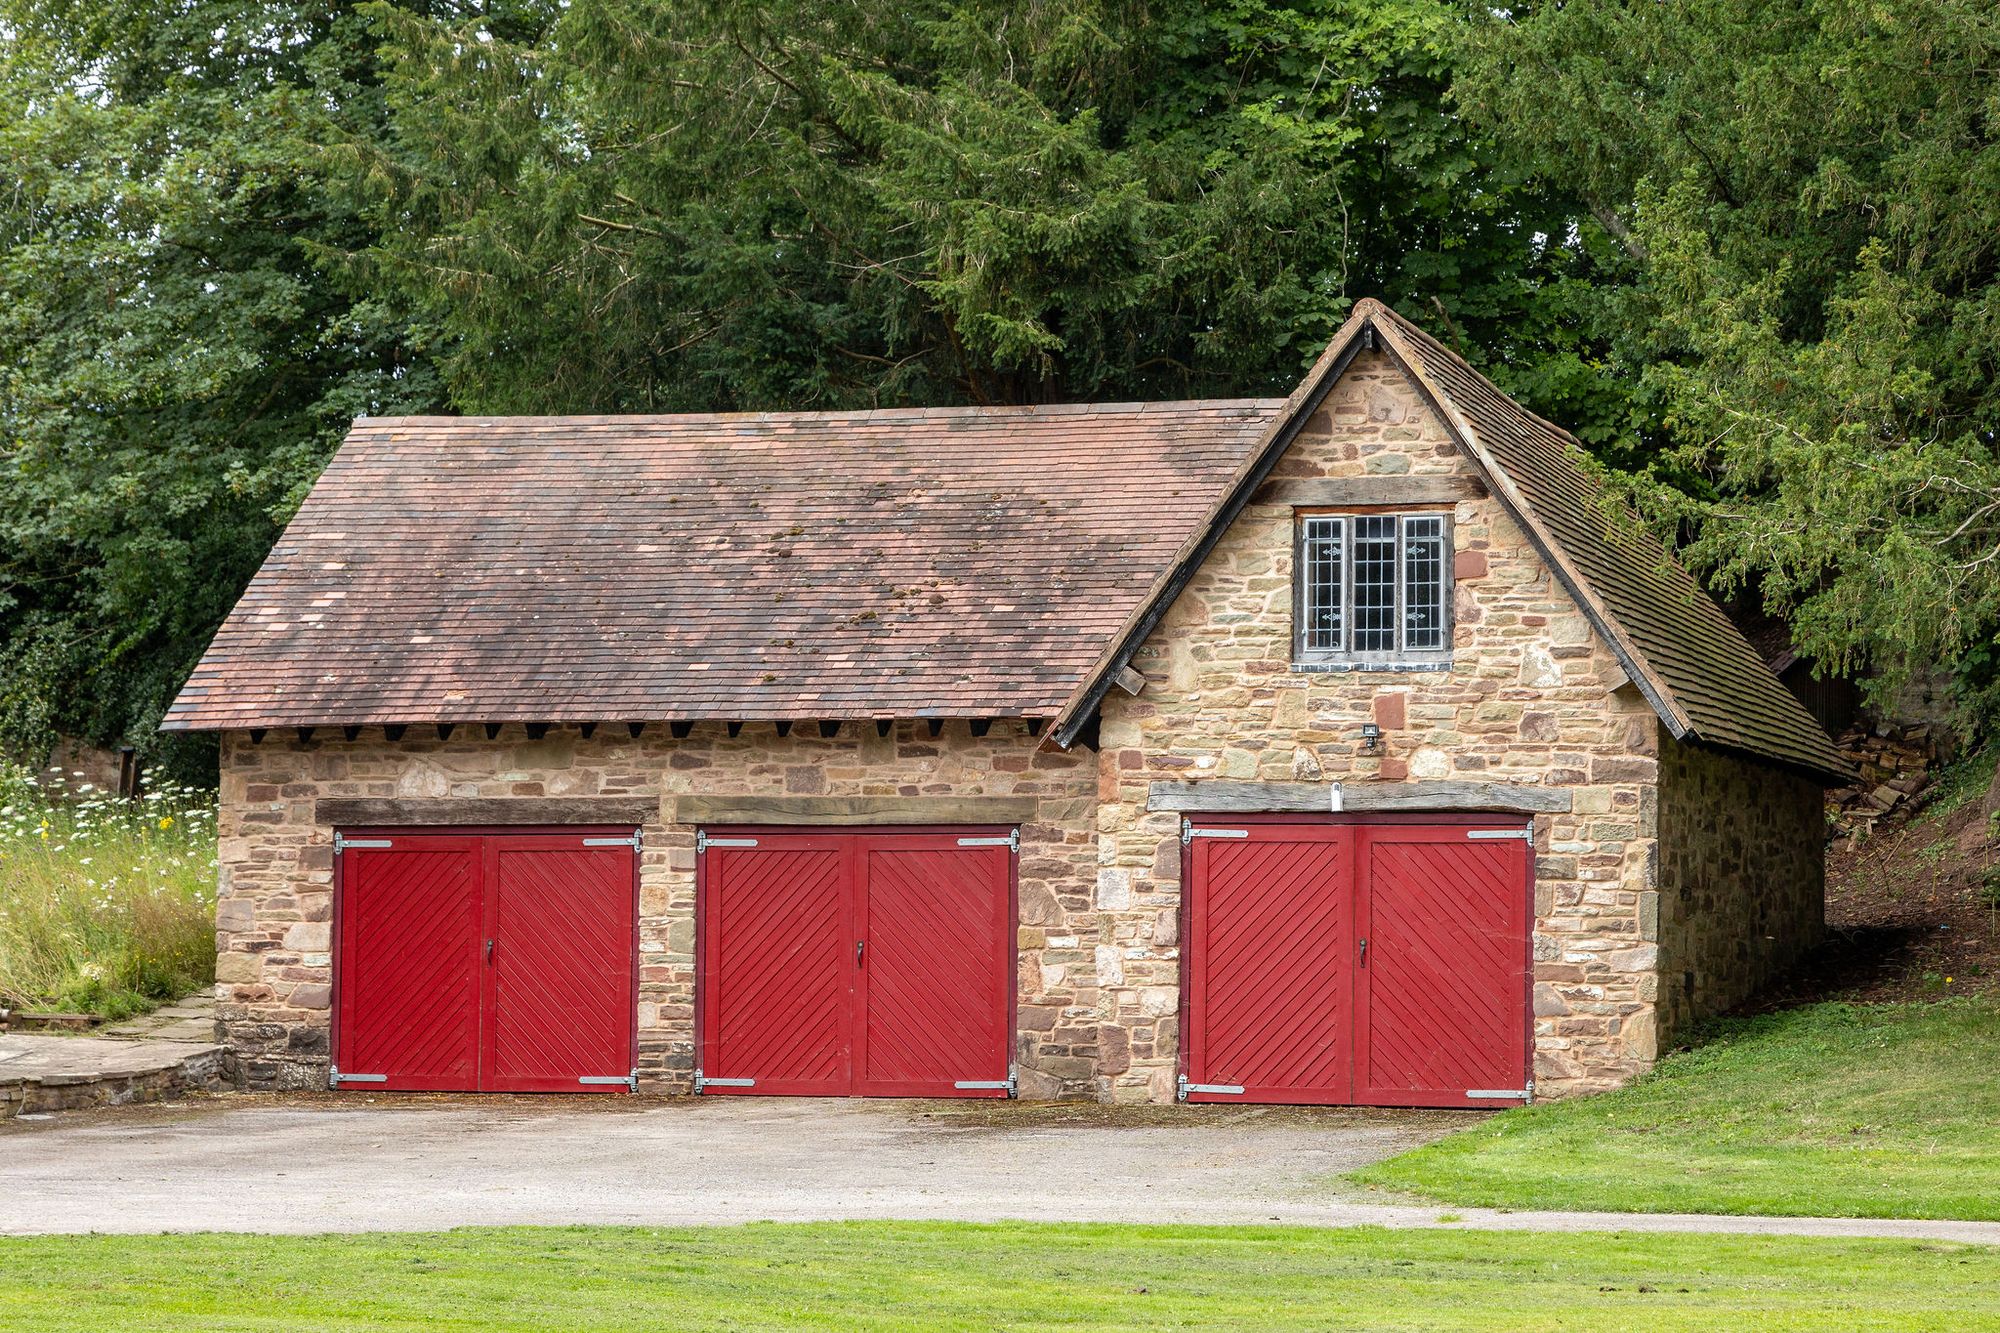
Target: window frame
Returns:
[[1344, 657]]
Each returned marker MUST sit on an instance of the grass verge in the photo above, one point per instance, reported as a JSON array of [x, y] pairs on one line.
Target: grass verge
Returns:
[[937, 1276], [1831, 1110], [106, 906]]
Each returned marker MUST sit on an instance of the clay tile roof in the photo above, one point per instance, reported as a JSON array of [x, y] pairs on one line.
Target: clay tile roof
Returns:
[[1683, 653], [962, 562]]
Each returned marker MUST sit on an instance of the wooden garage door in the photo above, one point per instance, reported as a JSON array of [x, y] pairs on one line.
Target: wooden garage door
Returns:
[[876, 963], [485, 960], [1379, 963]]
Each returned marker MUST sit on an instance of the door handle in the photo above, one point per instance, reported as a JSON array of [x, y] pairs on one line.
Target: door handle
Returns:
[[1364, 951], [489, 953], [859, 946]]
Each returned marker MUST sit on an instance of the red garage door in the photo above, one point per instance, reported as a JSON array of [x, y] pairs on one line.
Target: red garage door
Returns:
[[843, 963], [486, 960], [1380, 963]]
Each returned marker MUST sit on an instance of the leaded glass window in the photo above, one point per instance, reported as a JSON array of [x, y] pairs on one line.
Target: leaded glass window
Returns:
[[1374, 588]]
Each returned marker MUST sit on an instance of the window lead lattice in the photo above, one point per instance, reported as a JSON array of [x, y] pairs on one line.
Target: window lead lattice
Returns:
[[1374, 587]]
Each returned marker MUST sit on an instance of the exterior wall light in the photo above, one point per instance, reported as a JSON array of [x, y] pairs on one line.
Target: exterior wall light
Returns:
[[1371, 738]]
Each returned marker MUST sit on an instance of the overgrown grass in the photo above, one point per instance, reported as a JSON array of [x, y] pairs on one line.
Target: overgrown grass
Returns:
[[1833, 1109], [106, 906], [941, 1276]]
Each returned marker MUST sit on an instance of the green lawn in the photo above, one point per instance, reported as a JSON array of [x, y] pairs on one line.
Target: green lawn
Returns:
[[918, 1275], [1838, 1110]]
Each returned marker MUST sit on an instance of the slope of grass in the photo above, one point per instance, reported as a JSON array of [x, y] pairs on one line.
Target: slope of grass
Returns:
[[106, 906], [1833, 1109], [940, 1276]]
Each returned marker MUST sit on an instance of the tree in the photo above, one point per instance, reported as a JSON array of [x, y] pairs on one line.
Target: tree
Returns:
[[1810, 190], [174, 367], [642, 205]]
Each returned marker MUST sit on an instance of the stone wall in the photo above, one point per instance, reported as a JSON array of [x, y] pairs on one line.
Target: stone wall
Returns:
[[1742, 888], [1532, 697], [275, 907]]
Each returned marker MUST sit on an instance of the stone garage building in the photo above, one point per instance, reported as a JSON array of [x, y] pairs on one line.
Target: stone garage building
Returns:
[[1332, 749]]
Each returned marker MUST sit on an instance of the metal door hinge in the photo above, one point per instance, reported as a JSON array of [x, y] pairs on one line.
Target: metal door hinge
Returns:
[[1012, 841], [1189, 832], [630, 1080], [632, 841], [703, 1083], [702, 842], [1523, 1095], [974, 1084], [341, 844], [1225, 1089], [334, 1078], [1524, 834]]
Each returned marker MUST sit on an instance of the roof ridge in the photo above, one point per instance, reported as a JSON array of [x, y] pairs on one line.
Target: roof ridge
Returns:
[[1132, 407]]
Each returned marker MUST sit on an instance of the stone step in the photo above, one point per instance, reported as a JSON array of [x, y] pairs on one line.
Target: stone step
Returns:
[[40, 1074]]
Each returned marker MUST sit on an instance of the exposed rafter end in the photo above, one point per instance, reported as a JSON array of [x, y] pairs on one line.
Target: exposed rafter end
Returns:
[[305, 735], [980, 725], [351, 733], [784, 728], [586, 729], [1035, 725], [635, 729], [537, 730], [493, 730], [256, 735], [734, 729], [445, 729], [394, 732], [680, 730], [936, 724], [829, 729], [883, 726]]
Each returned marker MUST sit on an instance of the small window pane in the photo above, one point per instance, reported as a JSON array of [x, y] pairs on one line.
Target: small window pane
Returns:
[[1322, 559], [1423, 584], [1374, 583]]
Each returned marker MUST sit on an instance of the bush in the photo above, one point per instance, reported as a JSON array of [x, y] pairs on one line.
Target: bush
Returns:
[[107, 906]]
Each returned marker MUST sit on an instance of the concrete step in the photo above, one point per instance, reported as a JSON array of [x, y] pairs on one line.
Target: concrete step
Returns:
[[40, 1074]]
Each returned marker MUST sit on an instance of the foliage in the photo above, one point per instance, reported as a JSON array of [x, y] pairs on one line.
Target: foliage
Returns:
[[1810, 189], [106, 906], [174, 369], [928, 1275], [1831, 1110], [641, 205]]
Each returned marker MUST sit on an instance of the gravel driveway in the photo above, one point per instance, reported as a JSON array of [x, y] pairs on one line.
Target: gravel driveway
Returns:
[[308, 1163]]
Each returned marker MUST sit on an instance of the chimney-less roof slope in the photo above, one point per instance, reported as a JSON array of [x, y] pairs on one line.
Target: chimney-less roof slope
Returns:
[[965, 562]]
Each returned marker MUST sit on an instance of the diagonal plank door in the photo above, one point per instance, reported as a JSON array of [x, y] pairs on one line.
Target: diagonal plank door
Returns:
[[560, 1002], [409, 974], [934, 980], [1444, 1001], [777, 965], [1269, 964]]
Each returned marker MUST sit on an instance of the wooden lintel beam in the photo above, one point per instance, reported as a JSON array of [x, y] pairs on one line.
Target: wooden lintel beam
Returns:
[[1338, 492], [1218, 796]]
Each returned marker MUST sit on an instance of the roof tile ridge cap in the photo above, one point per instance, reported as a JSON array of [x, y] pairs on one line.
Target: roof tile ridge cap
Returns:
[[1288, 408], [1595, 607]]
